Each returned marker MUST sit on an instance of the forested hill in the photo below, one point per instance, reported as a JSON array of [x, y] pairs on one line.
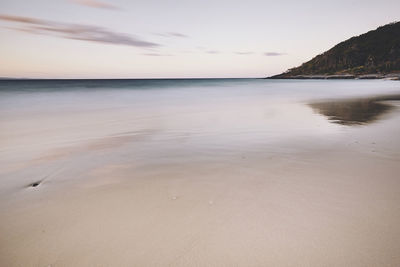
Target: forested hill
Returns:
[[375, 52]]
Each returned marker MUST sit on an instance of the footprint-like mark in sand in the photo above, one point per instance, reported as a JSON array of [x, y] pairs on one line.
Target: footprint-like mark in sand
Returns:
[[45, 178], [35, 184]]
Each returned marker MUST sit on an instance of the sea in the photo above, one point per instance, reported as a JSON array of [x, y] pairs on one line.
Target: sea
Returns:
[[186, 115]]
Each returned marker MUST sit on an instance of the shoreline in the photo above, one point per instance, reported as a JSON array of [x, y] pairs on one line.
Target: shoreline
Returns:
[[391, 76]]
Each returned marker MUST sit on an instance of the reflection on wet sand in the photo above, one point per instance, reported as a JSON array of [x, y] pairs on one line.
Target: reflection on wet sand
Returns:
[[355, 111]]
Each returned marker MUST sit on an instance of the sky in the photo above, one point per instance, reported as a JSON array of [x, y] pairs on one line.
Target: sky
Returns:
[[176, 38]]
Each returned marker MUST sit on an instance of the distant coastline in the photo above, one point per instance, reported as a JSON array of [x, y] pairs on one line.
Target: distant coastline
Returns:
[[372, 55], [392, 76]]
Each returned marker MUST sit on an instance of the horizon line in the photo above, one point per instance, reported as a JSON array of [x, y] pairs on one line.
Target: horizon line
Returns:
[[158, 78]]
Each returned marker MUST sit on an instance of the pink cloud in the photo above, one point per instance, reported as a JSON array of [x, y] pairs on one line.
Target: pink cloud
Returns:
[[74, 31], [94, 3]]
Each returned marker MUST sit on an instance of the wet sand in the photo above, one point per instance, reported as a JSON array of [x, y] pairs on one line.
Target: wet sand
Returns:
[[316, 186]]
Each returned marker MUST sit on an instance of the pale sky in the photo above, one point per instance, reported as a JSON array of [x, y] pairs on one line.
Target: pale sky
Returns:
[[176, 39]]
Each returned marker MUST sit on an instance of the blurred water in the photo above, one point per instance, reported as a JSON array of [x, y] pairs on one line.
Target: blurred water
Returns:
[[174, 120]]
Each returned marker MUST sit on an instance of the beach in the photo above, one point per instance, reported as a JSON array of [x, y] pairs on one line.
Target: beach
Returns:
[[230, 172]]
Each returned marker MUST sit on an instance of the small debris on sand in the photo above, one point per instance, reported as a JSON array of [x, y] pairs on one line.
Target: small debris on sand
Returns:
[[35, 184]]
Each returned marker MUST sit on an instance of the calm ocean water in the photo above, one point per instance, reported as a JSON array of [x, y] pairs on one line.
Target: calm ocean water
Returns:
[[178, 117], [56, 95], [243, 109]]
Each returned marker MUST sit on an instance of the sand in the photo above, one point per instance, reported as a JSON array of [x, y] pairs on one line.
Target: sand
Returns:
[[130, 197]]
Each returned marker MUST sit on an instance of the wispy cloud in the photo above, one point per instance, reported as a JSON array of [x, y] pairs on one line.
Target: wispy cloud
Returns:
[[156, 55], [94, 3], [274, 54], [20, 19], [75, 31], [212, 52], [177, 34], [244, 53], [172, 34]]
